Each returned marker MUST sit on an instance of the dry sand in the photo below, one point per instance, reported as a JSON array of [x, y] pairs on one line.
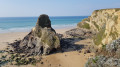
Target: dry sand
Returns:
[[66, 59]]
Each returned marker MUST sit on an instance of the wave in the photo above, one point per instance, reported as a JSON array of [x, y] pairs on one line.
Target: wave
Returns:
[[64, 26], [28, 29], [25, 29]]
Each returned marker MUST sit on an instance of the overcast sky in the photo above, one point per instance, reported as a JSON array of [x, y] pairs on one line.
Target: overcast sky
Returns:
[[30, 8]]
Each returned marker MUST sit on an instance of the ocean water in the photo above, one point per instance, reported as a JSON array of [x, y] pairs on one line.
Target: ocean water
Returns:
[[25, 24]]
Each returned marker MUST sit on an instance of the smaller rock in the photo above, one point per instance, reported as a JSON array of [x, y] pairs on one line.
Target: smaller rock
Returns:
[[50, 65], [41, 62], [79, 51], [84, 52], [65, 55], [87, 51], [59, 64], [22, 55]]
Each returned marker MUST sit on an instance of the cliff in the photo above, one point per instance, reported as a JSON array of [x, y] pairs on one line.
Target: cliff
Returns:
[[105, 23]]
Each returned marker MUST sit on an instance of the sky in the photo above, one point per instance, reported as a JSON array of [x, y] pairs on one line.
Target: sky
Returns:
[[31, 8]]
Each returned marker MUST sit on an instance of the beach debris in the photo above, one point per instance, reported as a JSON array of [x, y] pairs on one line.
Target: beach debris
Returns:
[[87, 51], [59, 64], [42, 62], [80, 51]]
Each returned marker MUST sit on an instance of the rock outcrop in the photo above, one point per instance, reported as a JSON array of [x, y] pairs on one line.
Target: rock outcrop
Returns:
[[106, 24], [41, 40], [78, 33]]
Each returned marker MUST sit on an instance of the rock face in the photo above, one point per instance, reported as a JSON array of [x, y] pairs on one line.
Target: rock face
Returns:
[[42, 39], [78, 33], [105, 22]]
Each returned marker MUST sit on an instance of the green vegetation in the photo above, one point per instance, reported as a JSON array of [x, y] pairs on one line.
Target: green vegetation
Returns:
[[56, 40], [50, 39], [96, 11], [3, 57], [86, 19], [84, 25], [18, 59], [95, 59], [95, 15], [101, 10], [99, 36], [101, 20], [117, 9], [95, 24], [115, 19], [1, 51], [103, 46], [23, 61]]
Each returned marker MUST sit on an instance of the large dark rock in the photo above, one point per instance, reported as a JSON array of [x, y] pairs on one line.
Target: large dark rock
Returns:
[[42, 39]]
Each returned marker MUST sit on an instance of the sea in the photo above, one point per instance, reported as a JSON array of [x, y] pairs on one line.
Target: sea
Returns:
[[25, 24]]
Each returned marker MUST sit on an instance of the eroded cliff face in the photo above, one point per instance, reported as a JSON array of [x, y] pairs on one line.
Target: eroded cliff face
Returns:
[[106, 24]]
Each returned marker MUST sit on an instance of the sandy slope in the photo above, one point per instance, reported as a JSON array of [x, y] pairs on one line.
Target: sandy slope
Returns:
[[66, 59]]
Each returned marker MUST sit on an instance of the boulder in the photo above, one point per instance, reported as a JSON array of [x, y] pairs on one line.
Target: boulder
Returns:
[[42, 39], [78, 33]]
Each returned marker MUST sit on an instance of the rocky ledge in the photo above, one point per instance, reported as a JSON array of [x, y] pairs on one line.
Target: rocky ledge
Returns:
[[78, 33]]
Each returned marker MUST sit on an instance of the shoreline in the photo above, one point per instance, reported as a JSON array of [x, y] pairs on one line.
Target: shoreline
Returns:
[[10, 37], [28, 30]]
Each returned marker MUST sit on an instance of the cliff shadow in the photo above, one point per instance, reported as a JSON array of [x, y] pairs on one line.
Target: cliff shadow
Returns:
[[68, 44]]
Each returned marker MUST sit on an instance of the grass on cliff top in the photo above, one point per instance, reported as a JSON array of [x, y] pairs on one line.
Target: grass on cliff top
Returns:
[[116, 9], [86, 19], [84, 25]]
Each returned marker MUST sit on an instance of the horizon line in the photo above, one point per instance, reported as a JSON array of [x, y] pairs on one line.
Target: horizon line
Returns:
[[38, 16]]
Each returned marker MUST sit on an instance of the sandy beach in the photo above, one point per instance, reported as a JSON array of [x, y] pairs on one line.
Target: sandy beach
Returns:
[[65, 59], [6, 38]]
